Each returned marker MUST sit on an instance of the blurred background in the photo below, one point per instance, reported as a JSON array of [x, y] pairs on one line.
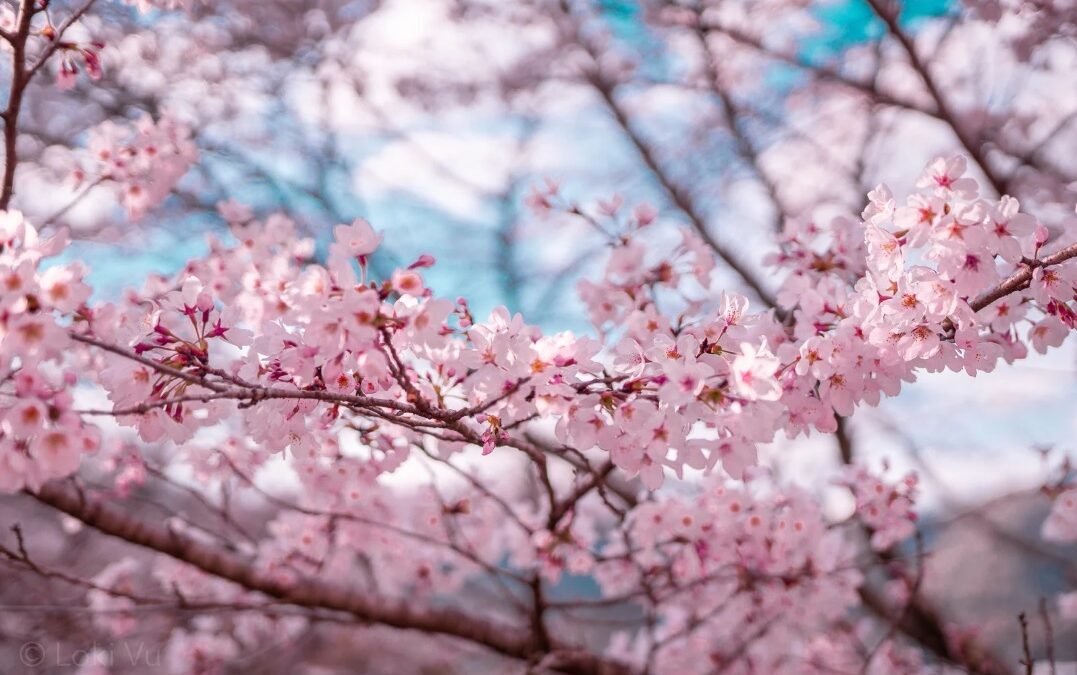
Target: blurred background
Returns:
[[440, 120]]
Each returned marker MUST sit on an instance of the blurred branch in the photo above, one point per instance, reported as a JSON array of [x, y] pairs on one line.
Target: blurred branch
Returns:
[[946, 113], [677, 194], [872, 90], [919, 621], [913, 590], [733, 115], [310, 593]]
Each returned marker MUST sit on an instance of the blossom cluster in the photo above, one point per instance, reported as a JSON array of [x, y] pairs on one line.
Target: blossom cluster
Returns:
[[886, 510], [41, 436], [143, 161], [752, 575], [290, 352], [345, 375], [865, 304], [918, 302]]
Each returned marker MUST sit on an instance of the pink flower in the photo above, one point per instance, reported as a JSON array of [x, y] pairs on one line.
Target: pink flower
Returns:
[[753, 373], [62, 288], [735, 455], [884, 251], [626, 262], [734, 308], [1006, 227], [644, 214], [66, 75], [978, 354], [33, 338], [1052, 283], [946, 175], [684, 380], [1004, 313], [631, 358], [922, 342], [881, 206], [407, 282], [27, 418], [356, 240], [234, 213], [1048, 332]]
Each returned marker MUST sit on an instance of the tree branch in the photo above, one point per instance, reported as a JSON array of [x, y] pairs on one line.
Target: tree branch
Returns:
[[312, 593], [945, 112], [1020, 279], [19, 80], [680, 197]]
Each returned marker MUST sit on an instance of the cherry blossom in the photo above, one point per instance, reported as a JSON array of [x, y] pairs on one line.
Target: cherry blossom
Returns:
[[142, 162], [339, 443]]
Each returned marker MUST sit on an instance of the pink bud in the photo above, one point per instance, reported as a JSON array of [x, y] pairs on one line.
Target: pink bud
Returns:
[[425, 260], [645, 214], [1042, 234]]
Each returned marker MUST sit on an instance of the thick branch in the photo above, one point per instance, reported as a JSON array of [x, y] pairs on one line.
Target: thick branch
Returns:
[[311, 593]]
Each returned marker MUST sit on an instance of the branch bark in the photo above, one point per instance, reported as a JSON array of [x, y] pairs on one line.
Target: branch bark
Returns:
[[1020, 280], [21, 75], [680, 198], [315, 593], [19, 80]]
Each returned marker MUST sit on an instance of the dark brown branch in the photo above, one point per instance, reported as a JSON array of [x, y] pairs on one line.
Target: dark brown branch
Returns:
[[1027, 661], [10, 115]]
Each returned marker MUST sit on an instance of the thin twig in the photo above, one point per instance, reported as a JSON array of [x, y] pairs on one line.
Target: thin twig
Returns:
[[1027, 661]]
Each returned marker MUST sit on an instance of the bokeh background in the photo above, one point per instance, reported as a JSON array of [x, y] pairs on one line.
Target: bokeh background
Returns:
[[436, 119]]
